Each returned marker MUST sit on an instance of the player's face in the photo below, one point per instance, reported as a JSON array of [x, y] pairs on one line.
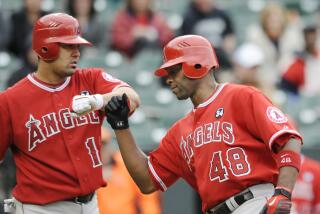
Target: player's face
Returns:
[[180, 85], [67, 61]]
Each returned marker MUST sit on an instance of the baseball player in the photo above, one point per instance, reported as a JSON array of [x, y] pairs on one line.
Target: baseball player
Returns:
[[306, 193], [57, 155], [235, 148]]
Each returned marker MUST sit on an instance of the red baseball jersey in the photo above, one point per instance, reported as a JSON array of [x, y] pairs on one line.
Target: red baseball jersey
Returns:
[[223, 146], [57, 156], [306, 193]]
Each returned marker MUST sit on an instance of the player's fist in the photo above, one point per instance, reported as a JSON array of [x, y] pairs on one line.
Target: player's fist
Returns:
[[117, 112], [82, 104], [279, 203]]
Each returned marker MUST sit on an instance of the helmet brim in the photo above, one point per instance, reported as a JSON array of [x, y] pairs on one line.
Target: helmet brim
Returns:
[[161, 71], [70, 40]]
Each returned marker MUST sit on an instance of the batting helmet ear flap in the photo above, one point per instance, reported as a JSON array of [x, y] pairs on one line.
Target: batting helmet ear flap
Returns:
[[50, 51], [193, 70]]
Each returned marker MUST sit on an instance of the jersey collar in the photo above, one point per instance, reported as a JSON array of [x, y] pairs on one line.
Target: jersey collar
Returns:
[[46, 88], [214, 95]]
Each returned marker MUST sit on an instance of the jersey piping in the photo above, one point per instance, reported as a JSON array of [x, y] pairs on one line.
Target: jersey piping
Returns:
[[156, 176], [46, 88], [213, 97], [277, 134]]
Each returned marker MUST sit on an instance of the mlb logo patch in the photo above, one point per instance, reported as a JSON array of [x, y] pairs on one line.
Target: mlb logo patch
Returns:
[[219, 112], [84, 93]]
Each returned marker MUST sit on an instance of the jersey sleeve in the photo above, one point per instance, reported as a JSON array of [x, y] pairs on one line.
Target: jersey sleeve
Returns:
[[6, 127], [264, 120], [164, 163], [104, 82]]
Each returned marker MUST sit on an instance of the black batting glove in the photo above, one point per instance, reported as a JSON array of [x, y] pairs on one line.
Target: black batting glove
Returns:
[[117, 112]]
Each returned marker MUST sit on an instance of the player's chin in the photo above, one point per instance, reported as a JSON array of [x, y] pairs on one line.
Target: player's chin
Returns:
[[70, 70], [182, 97]]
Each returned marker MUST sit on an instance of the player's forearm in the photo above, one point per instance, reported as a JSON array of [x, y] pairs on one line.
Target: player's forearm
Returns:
[[135, 160], [132, 95], [288, 174], [287, 177]]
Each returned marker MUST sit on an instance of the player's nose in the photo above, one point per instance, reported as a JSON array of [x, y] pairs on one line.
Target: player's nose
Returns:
[[76, 51]]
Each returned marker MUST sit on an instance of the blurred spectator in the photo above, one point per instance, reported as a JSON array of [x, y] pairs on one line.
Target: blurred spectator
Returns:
[[247, 61], [29, 65], [21, 25], [4, 31], [91, 28], [121, 195], [205, 19], [306, 193], [302, 76], [138, 26], [276, 39]]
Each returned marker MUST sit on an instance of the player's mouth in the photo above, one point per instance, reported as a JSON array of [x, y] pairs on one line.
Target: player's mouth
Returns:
[[174, 89], [74, 64]]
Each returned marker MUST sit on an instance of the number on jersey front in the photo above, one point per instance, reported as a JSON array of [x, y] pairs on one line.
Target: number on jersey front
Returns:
[[93, 152], [238, 164], [217, 170]]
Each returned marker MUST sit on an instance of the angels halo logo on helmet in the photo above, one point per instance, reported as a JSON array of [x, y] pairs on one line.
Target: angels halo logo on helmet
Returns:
[[52, 29], [194, 52]]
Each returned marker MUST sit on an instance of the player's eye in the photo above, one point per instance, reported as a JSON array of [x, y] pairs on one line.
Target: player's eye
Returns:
[[70, 46], [174, 69]]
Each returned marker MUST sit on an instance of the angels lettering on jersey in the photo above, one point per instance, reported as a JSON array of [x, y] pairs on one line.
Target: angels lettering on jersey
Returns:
[[39, 129], [220, 132], [216, 131]]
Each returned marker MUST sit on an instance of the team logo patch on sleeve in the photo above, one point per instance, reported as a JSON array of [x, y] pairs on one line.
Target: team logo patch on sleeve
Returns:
[[275, 115]]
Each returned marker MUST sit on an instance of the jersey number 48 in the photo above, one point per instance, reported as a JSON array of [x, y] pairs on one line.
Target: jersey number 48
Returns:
[[237, 163]]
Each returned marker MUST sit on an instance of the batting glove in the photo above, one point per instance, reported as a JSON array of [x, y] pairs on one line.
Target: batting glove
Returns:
[[82, 104], [279, 203], [117, 112]]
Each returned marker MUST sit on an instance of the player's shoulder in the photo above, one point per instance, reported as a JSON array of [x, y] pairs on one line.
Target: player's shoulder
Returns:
[[19, 86], [88, 71], [239, 91], [87, 74], [179, 124], [241, 88]]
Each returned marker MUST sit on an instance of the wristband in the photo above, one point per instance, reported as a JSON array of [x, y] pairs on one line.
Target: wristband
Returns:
[[282, 191], [288, 158], [98, 101]]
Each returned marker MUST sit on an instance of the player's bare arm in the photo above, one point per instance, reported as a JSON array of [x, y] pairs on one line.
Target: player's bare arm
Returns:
[[289, 164], [136, 161], [288, 174], [133, 97]]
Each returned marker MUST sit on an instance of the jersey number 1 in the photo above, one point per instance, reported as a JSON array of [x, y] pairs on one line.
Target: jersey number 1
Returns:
[[237, 161], [93, 152]]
